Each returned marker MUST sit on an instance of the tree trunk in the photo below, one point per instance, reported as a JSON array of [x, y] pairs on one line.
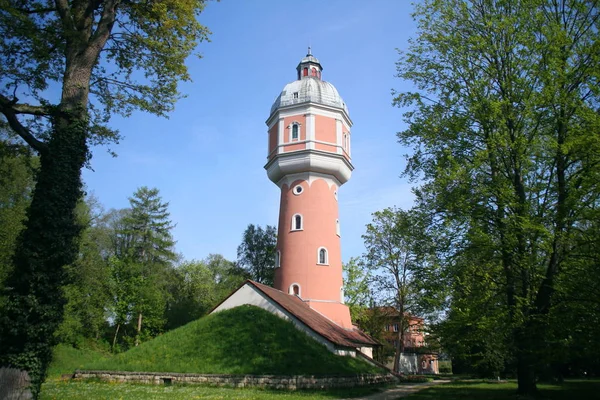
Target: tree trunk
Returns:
[[139, 329], [114, 343], [33, 290]]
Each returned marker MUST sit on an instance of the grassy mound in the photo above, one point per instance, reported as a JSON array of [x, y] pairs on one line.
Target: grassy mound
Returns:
[[67, 359], [243, 340]]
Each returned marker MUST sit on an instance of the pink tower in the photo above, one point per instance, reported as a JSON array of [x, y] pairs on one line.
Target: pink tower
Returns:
[[309, 159]]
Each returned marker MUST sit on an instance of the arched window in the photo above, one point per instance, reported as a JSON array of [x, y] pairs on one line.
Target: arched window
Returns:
[[277, 259], [337, 227], [322, 257], [294, 289], [297, 222], [313, 71], [295, 132], [305, 71]]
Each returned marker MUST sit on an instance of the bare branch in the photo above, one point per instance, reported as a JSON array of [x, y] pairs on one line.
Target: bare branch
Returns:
[[7, 107]]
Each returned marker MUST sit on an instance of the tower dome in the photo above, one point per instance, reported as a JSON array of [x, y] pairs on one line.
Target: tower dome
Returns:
[[309, 87]]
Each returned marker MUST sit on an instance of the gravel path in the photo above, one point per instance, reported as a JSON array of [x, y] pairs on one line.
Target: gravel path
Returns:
[[400, 391]]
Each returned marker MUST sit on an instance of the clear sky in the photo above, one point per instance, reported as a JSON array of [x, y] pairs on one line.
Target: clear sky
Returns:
[[207, 159]]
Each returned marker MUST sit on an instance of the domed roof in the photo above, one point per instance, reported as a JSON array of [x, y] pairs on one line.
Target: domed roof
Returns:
[[309, 90], [309, 87]]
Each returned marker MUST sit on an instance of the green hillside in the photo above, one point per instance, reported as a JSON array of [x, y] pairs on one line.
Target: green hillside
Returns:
[[243, 340]]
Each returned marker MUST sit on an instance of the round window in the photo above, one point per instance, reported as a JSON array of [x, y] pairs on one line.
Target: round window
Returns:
[[298, 189]]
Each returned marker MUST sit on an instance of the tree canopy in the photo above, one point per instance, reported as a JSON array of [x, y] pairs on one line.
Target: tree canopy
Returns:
[[503, 125], [66, 67]]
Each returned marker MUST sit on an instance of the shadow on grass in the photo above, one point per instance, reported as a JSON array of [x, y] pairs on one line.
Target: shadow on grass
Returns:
[[476, 390]]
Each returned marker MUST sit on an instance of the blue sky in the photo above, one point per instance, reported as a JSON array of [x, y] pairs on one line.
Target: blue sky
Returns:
[[207, 159]]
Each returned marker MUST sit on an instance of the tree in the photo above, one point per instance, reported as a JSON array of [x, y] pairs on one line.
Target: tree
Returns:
[[357, 292], [500, 120], [88, 294], [17, 177], [104, 57], [201, 285], [398, 256], [256, 253], [146, 249]]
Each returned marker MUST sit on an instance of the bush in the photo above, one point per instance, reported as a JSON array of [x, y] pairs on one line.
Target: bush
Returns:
[[415, 378], [445, 367]]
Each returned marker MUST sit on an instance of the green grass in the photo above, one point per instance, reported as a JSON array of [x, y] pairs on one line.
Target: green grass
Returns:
[[66, 359], [569, 390], [243, 340], [56, 390]]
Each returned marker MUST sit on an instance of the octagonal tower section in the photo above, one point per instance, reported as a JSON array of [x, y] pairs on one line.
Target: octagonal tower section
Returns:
[[309, 158]]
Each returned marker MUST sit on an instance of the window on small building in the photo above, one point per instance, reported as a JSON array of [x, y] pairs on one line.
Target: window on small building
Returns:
[[297, 222], [295, 130], [395, 327], [322, 257]]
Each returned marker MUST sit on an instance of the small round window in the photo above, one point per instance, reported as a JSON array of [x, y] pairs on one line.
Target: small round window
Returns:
[[298, 189]]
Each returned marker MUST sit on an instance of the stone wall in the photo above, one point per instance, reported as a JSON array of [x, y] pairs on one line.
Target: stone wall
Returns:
[[288, 382]]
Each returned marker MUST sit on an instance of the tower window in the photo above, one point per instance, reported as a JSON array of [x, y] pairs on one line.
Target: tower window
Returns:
[[305, 72], [277, 259], [337, 227], [294, 289], [295, 133], [298, 189], [323, 258], [297, 222], [342, 295], [295, 95], [313, 71]]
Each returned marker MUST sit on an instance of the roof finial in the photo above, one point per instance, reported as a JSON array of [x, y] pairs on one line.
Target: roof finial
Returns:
[[309, 52]]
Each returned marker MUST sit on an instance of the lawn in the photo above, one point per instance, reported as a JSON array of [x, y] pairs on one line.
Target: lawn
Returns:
[[569, 390], [72, 390]]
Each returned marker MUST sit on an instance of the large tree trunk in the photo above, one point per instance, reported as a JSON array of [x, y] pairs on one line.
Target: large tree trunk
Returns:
[[33, 290]]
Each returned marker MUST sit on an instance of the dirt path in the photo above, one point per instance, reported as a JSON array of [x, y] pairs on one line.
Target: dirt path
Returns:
[[400, 391]]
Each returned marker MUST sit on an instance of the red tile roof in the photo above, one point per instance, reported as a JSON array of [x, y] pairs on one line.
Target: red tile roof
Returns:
[[316, 321]]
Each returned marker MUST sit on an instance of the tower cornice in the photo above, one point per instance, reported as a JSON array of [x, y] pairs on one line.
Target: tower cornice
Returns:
[[306, 107], [309, 160]]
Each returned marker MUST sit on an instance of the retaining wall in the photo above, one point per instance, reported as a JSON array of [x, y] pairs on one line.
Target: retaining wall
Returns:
[[289, 382]]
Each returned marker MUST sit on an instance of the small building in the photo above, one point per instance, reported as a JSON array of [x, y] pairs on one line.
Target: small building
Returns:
[[417, 356]]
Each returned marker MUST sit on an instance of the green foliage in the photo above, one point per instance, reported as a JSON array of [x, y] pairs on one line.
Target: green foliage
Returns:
[[201, 285], [17, 177], [256, 253], [143, 257], [445, 366], [505, 98], [415, 379], [357, 293], [243, 340], [105, 57], [88, 294]]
